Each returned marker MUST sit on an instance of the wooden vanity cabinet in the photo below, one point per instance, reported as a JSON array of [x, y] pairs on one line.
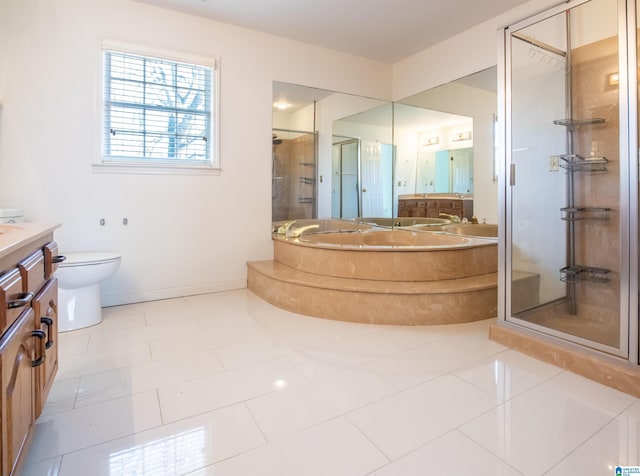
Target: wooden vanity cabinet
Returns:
[[411, 206], [28, 343]]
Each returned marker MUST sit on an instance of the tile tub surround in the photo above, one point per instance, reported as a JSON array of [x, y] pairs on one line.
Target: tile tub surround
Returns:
[[449, 279]]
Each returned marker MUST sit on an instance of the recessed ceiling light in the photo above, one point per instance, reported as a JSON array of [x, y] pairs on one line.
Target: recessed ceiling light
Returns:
[[281, 105]]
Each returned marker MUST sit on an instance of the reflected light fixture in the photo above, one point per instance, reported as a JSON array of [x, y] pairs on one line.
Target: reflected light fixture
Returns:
[[458, 136], [427, 141], [614, 79]]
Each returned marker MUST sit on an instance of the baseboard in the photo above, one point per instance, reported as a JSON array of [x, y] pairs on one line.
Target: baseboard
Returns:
[[118, 299]]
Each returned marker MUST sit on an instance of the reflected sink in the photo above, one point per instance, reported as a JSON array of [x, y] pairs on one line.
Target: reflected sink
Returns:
[[471, 229]]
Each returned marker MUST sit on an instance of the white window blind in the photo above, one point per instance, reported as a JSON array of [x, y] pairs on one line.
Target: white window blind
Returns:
[[157, 111]]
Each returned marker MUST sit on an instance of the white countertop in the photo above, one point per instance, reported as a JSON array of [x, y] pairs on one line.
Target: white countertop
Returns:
[[14, 236]]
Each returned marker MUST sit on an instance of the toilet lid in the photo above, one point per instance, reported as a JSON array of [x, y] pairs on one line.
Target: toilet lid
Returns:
[[88, 258]]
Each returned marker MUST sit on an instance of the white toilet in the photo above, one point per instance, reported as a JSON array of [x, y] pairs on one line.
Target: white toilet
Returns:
[[79, 278]]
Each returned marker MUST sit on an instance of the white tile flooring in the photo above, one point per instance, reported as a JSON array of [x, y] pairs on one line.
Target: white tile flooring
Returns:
[[226, 384]]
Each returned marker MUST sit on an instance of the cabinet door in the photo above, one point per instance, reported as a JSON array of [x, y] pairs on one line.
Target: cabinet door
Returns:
[[45, 308], [16, 359]]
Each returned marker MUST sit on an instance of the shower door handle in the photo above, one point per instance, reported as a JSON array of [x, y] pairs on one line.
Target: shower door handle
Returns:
[[512, 175]]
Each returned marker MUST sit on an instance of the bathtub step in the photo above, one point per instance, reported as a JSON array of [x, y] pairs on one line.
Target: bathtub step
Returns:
[[381, 302]]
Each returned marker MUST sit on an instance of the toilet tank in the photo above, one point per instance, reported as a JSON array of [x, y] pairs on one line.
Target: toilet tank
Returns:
[[11, 215]]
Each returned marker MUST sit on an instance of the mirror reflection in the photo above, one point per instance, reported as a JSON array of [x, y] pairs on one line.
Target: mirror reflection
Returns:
[[362, 164], [343, 156]]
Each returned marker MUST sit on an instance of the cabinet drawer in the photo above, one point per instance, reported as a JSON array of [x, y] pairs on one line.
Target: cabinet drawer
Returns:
[[13, 299], [45, 308], [32, 272], [445, 204], [457, 204], [432, 203], [402, 203], [51, 259]]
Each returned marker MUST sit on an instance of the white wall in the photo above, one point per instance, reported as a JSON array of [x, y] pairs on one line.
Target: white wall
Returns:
[[186, 234]]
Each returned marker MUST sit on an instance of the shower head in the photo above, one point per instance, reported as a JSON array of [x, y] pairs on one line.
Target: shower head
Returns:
[[276, 141]]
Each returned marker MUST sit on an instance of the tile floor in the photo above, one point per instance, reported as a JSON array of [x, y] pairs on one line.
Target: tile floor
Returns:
[[226, 384]]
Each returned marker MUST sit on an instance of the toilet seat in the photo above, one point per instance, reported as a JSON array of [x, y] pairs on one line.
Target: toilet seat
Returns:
[[88, 258]]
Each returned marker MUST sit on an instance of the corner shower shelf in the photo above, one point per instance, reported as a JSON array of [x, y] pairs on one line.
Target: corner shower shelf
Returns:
[[577, 273], [574, 273], [577, 163], [584, 213], [573, 124]]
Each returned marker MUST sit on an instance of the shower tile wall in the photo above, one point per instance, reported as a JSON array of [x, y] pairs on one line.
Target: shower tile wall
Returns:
[[597, 242], [293, 188]]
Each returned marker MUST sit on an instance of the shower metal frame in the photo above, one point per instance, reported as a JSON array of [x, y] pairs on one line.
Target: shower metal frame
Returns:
[[628, 182]]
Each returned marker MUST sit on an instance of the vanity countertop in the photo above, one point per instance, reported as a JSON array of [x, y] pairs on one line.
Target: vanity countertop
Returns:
[[14, 236], [437, 196]]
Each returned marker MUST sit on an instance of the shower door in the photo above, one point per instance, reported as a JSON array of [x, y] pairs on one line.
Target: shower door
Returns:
[[567, 195]]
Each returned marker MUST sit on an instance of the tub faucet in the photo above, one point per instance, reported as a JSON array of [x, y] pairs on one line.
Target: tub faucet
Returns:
[[453, 218], [296, 232], [284, 228]]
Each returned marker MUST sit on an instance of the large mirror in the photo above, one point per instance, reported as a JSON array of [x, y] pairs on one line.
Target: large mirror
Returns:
[[307, 181], [344, 156]]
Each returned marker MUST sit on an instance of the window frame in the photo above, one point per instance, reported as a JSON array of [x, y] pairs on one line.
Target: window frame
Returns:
[[162, 165]]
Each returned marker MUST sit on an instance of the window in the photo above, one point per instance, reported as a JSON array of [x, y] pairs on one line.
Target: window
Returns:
[[158, 111]]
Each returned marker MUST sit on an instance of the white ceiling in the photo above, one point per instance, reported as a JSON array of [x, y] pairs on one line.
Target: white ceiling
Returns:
[[383, 30]]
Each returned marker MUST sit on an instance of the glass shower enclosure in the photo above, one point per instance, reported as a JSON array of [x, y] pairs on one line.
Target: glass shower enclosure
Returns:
[[293, 173], [569, 180]]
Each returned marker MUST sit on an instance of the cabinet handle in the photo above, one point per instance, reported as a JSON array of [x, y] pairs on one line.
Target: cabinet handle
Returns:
[[40, 360], [22, 300], [58, 259], [49, 322]]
